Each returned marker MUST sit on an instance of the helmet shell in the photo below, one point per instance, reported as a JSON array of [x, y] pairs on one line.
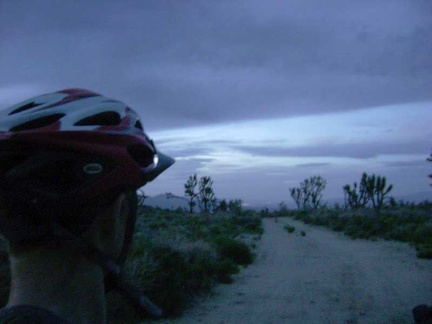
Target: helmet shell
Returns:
[[75, 134]]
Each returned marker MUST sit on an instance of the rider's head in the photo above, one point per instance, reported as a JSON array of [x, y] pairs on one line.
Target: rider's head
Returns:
[[66, 157]]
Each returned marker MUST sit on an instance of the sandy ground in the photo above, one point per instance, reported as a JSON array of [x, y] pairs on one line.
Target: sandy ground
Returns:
[[323, 277]]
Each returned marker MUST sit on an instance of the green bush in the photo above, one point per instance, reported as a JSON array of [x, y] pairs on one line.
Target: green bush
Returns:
[[339, 224], [172, 277], [424, 251], [225, 269], [289, 228], [236, 251], [177, 256], [170, 288], [264, 213]]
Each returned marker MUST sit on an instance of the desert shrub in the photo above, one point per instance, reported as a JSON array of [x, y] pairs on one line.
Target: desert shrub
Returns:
[[360, 227], [265, 213], [308, 219], [339, 223], [289, 228], [303, 233], [424, 251], [225, 269], [320, 220], [301, 214], [236, 251], [171, 280], [177, 256], [172, 276], [422, 234], [249, 222]]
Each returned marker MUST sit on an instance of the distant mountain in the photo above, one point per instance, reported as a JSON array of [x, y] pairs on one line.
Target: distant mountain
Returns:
[[166, 201], [171, 201]]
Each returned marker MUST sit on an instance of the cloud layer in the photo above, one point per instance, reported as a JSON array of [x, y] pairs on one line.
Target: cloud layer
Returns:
[[266, 157], [193, 63]]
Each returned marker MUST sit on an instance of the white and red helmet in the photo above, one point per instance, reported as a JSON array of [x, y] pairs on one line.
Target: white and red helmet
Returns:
[[75, 144]]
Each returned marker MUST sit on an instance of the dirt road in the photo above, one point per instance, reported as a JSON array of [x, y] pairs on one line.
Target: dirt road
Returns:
[[323, 277]]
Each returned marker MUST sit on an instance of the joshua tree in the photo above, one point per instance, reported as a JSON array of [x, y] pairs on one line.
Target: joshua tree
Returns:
[[206, 196], [190, 187], [377, 191], [356, 199], [298, 196], [315, 186], [430, 160], [309, 194], [223, 206]]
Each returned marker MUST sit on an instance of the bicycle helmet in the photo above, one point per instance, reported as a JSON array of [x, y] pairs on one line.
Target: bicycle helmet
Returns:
[[66, 149], [74, 144]]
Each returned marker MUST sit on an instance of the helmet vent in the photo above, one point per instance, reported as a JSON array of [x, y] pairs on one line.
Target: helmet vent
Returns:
[[138, 125], [37, 123], [108, 118], [25, 107], [142, 154]]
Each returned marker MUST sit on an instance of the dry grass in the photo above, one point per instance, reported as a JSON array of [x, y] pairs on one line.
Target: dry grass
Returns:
[[175, 258]]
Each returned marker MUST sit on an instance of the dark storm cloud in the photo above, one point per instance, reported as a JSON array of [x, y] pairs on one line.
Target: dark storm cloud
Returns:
[[360, 151], [408, 164], [182, 63]]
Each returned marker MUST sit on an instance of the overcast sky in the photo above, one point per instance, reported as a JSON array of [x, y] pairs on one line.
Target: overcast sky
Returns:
[[257, 94]]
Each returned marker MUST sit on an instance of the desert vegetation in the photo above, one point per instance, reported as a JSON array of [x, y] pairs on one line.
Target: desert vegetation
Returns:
[[372, 189], [200, 192], [429, 159], [289, 228], [368, 212], [178, 256], [309, 194], [406, 222]]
